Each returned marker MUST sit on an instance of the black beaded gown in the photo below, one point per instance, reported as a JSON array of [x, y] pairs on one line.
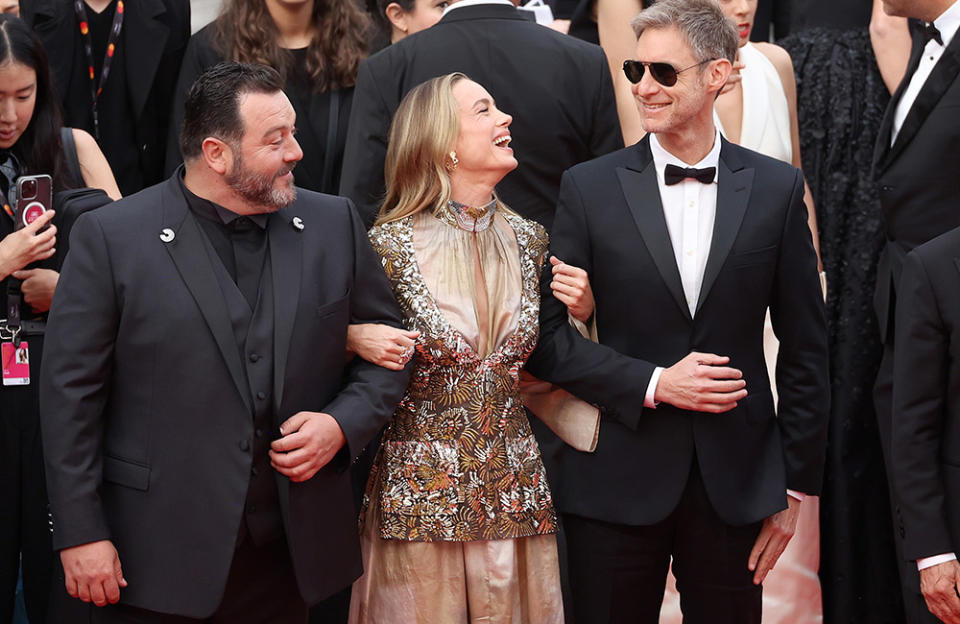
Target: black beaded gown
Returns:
[[841, 100]]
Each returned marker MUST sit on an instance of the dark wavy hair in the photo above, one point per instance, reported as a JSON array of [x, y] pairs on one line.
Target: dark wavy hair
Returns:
[[246, 33], [39, 148]]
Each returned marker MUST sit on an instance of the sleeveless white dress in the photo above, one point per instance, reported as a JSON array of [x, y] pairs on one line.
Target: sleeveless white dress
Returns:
[[791, 592]]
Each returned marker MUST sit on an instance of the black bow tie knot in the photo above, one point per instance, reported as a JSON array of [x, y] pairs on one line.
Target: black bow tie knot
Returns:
[[929, 32], [673, 174]]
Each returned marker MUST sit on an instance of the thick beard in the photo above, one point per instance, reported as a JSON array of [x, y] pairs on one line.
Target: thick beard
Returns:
[[258, 189]]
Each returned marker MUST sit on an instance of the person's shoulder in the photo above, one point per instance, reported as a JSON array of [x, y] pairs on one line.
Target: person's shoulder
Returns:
[[778, 57], [607, 163], [943, 248]]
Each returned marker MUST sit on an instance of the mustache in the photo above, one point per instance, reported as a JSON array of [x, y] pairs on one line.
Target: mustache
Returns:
[[287, 169]]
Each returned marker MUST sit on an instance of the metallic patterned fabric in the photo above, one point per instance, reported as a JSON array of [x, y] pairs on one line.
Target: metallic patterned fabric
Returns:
[[458, 461]]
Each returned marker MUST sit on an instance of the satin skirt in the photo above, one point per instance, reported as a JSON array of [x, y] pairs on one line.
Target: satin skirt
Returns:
[[511, 581]]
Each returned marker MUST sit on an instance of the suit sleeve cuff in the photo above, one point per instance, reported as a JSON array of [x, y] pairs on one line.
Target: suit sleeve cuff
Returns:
[[797, 495], [929, 562], [648, 400]]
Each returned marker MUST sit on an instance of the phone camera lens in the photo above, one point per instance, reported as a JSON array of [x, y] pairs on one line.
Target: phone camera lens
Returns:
[[29, 188]]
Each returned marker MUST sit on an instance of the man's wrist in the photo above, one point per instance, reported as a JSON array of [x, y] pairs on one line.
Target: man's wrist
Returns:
[[928, 562], [650, 399]]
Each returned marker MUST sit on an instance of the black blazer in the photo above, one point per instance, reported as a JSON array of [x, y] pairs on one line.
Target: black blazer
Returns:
[[611, 223], [147, 426], [557, 88], [918, 176], [926, 411], [155, 33]]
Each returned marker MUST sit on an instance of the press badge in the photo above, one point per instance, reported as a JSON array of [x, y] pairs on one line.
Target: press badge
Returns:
[[16, 363]]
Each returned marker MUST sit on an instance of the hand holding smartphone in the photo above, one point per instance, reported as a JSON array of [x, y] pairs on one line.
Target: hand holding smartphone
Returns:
[[34, 197]]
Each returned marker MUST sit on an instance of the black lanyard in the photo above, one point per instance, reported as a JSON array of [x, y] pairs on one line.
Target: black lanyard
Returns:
[[115, 28]]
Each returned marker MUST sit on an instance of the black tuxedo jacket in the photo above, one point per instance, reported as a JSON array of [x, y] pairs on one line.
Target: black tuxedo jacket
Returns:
[[155, 33], [610, 222], [919, 176], [557, 88], [926, 409], [147, 425]]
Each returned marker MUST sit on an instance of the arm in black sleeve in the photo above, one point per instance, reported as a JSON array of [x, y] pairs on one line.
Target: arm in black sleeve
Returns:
[[593, 372]]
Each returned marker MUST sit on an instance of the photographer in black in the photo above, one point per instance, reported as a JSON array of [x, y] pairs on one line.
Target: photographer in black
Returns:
[[32, 141]]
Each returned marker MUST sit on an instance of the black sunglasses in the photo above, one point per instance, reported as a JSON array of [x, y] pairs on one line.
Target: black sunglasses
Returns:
[[664, 73]]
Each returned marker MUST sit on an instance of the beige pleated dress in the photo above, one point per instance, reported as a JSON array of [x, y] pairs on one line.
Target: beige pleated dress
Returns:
[[458, 521]]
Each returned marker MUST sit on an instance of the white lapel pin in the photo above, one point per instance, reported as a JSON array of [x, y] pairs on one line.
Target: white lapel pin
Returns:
[[167, 235], [297, 223]]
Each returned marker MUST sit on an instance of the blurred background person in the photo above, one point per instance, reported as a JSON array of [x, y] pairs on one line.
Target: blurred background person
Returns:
[[10, 6], [458, 507], [316, 46], [30, 143], [114, 65]]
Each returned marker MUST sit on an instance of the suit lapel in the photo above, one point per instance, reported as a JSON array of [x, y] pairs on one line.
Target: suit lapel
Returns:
[[145, 37], [734, 184], [286, 264], [639, 184], [943, 75], [188, 249]]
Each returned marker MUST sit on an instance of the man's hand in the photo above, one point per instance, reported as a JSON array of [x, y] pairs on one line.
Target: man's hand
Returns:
[[38, 287], [24, 246], [701, 382], [571, 287], [310, 440], [938, 584], [774, 536], [93, 572]]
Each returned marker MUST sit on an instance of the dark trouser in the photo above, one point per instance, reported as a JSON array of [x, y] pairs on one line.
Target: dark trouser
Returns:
[[618, 572], [261, 588], [24, 523], [914, 607]]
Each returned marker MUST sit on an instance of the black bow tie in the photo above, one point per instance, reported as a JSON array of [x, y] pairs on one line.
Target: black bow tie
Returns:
[[930, 32], [673, 174]]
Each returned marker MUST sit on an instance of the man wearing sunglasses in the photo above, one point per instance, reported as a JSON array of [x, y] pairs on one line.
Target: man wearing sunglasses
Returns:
[[688, 239]]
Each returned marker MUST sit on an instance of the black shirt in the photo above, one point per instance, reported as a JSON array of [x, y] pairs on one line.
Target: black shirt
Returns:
[[116, 115], [240, 241]]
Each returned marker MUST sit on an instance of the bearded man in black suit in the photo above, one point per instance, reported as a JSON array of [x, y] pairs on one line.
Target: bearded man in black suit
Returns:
[[688, 240], [198, 413]]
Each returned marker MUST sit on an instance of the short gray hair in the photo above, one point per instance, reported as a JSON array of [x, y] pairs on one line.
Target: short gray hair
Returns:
[[701, 22]]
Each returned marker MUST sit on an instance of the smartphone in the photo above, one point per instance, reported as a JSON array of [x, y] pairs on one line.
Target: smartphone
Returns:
[[34, 197]]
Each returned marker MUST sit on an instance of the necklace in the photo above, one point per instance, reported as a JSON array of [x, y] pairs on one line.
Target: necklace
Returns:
[[470, 218]]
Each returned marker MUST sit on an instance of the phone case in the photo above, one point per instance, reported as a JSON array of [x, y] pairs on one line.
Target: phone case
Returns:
[[34, 197]]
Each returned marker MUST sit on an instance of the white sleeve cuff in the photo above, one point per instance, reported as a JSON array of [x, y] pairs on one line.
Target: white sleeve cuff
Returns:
[[797, 495], [648, 400], [929, 562]]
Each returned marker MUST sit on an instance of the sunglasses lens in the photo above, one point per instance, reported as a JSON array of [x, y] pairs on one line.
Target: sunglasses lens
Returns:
[[633, 70], [664, 73]]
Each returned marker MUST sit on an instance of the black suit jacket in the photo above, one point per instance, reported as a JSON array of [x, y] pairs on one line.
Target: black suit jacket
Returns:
[[926, 410], [557, 89], [919, 176], [611, 223], [155, 33], [147, 423]]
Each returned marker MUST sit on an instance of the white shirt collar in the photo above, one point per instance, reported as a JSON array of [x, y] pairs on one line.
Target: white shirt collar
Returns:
[[465, 3], [947, 23], [662, 158]]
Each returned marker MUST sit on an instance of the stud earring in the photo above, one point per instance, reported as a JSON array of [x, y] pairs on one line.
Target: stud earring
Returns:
[[454, 161]]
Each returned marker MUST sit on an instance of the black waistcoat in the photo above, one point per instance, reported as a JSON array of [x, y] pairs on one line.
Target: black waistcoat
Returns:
[[253, 331]]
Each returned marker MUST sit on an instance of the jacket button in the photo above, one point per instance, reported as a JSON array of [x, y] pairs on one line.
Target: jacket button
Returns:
[[261, 395], [244, 445], [258, 433], [254, 357]]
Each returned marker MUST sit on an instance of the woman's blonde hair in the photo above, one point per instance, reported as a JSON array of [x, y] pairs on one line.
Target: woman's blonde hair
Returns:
[[423, 132]]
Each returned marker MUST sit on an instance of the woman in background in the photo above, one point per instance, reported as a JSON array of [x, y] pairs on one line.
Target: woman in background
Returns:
[[400, 18], [31, 142], [316, 45]]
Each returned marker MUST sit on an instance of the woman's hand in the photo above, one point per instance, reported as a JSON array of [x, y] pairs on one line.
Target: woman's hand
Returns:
[[382, 345], [24, 246], [571, 286], [37, 287]]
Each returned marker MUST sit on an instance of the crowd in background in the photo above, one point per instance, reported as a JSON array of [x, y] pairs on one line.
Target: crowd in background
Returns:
[[118, 73]]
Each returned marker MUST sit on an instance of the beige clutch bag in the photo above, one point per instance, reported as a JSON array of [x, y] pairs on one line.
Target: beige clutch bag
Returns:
[[574, 421]]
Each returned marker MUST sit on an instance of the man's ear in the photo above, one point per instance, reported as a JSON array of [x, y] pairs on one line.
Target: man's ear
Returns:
[[217, 155], [397, 17], [717, 74]]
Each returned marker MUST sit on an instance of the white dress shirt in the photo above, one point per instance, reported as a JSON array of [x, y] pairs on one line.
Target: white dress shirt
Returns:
[[465, 3], [947, 24], [690, 209]]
